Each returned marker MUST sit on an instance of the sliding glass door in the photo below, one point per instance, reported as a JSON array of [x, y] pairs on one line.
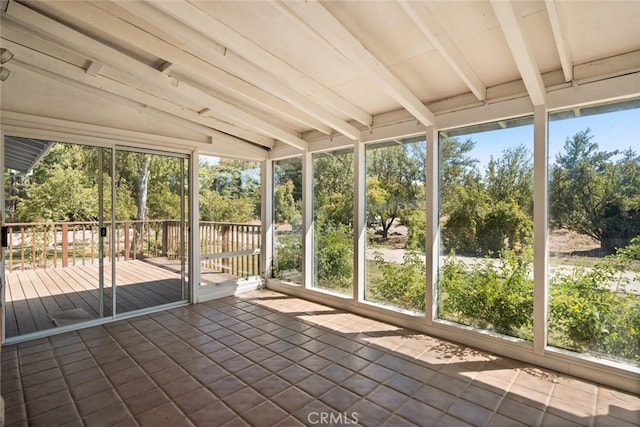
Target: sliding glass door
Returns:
[[90, 232], [149, 237], [54, 249]]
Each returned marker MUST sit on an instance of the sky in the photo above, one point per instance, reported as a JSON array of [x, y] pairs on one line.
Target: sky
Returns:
[[617, 130], [611, 131]]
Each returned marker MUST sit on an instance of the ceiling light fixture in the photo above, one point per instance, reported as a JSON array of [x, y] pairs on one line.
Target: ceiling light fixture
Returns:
[[5, 55]]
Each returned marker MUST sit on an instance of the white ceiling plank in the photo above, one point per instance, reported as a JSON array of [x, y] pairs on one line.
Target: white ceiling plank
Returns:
[[426, 21], [303, 83], [290, 83], [115, 59], [558, 35], [119, 92], [40, 127], [316, 17], [520, 49], [175, 57]]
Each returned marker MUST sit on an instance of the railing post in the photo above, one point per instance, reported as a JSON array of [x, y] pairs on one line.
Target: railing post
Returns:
[[165, 238], [225, 248], [65, 245], [126, 241]]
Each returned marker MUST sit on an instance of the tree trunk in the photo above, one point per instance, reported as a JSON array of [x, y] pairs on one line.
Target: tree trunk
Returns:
[[143, 192]]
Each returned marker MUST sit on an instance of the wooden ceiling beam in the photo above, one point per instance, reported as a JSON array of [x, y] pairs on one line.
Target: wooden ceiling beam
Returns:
[[318, 19], [426, 21], [121, 93], [521, 50], [266, 70], [177, 58], [558, 36], [114, 59]]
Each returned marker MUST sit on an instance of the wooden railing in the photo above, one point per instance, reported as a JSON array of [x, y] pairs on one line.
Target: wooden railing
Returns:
[[231, 248], [225, 247]]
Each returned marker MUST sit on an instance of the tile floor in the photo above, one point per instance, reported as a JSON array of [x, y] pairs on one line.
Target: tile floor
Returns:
[[266, 359]]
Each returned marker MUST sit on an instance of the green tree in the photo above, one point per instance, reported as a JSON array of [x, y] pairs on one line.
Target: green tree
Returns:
[[62, 187], [457, 171], [593, 194], [489, 213], [230, 191], [284, 204], [395, 183], [333, 189]]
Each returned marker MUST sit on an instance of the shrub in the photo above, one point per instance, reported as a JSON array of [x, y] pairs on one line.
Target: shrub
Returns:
[[288, 255], [491, 294], [402, 285], [587, 314], [334, 257]]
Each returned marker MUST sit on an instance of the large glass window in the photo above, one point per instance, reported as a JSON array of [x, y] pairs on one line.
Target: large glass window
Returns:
[[594, 235], [287, 220], [333, 221], [486, 222], [396, 220], [230, 230]]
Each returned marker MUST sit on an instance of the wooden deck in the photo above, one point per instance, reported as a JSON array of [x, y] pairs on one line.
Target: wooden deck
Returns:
[[32, 295]]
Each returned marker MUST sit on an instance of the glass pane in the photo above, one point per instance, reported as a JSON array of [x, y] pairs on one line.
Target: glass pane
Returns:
[[150, 240], [230, 225], [396, 221], [594, 230], [333, 221], [287, 219], [52, 263], [486, 223]]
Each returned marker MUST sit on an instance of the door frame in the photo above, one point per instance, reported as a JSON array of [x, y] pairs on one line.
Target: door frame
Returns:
[[100, 142]]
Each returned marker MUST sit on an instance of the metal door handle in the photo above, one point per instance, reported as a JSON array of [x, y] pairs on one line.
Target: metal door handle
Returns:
[[5, 237]]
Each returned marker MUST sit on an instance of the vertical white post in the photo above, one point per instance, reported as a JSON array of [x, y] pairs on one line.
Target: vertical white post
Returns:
[[307, 220], [432, 231], [194, 226], [3, 282], [540, 228], [112, 239], [359, 220], [266, 250]]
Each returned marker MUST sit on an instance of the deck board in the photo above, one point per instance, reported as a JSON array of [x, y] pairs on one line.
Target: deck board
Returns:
[[31, 295]]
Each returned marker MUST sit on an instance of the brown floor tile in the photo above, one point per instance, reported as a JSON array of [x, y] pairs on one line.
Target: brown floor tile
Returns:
[[470, 412], [97, 402], [217, 412], [419, 413], [135, 387], [481, 397], [243, 400], [146, 401], [182, 386], [292, 399], [387, 398], [90, 388], [195, 400], [339, 398], [252, 361], [48, 403], [44, 389], [520, 412], [55, 417], [404, 384], [169, 375], [40, 377], [166, 414], [498, 420], [226, 386], [294, 373]]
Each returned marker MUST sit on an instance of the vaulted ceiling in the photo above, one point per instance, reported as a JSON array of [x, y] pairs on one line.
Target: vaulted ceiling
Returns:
[[270, 73]]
